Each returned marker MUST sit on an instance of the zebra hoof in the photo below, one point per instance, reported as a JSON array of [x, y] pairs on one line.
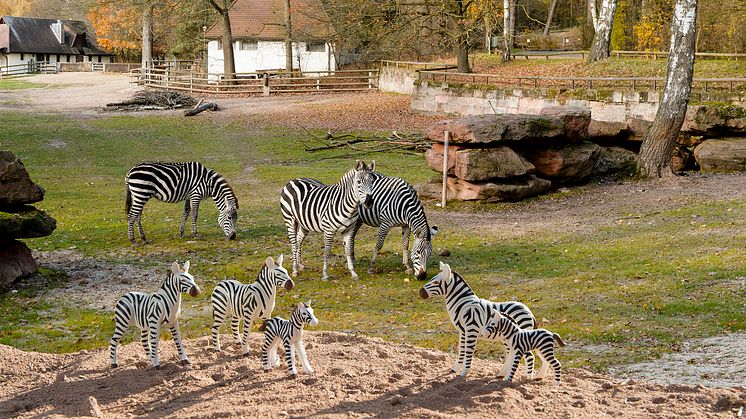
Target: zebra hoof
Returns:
[[184, 362], [157, 367], [293, 376], [246, 354], [114, 365], [356, 277]]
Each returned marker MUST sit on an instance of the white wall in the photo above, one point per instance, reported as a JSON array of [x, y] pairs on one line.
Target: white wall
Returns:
[[270, 55]]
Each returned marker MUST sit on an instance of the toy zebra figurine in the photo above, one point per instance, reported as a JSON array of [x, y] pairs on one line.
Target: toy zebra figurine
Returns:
[[151, 311], [309, 205], [521, 342], [289, 333], [396, 204], [247, 302], [190, 182], [469, 314]]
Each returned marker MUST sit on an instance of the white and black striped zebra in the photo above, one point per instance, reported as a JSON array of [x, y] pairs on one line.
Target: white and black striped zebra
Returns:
[[190, 182], [469, 313], [522, 342], [309, 205], [289, 334], [149, 312], [396, 204], [247, 302]]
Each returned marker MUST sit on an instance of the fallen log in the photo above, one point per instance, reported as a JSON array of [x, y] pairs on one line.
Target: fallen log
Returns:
[[201, 108]]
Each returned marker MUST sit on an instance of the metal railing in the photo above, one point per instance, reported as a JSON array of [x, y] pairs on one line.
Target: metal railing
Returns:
[[32, 67]]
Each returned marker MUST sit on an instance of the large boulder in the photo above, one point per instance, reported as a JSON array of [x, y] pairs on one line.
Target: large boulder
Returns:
[[570, 164], [26, 222], [486, 129], [721, 155], [15, 185], [17, 262], [514, 189], [638, 128], [491, 163], [607, 129], [575, 119], [715, 119], [614, 162], [434, 157]]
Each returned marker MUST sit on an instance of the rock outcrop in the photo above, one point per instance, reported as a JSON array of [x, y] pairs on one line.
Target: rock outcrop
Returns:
[[721, 155], [18, 219]]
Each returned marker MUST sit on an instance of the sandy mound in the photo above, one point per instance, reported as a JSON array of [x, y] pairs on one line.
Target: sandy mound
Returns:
[[355, 376]]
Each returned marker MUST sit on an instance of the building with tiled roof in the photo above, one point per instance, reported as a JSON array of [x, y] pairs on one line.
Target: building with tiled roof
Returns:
[[258, 30]]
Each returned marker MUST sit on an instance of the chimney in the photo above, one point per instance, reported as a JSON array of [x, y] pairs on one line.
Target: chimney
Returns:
[[58, 31]]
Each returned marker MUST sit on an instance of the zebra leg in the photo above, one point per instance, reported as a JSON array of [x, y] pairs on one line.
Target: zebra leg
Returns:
[[459, 365], [303, 357], [195, 211], [290, 358], [328, 237], [267, 352], [176, 334], [235, 322], [184, 217], [217, 321], [554, 362], [154, 330], [505, 369], [471, 343], [544, 367], [530, 364], [145, 342], [383, 230], [274, 358], [131, 219], [245, 340], [300, 238], [405, 231], [119, 330], [349, 244], [513, 364], [140, 230]]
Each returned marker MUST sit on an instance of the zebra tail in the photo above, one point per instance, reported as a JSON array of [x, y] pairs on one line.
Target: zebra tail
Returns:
[[263, 327], [558, 339], [127, 200]]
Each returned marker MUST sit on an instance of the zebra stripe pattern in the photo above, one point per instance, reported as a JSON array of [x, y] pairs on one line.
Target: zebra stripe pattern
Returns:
[[248, 302], [175, 182], [309, 205], [521, 342], [148, 312], [396, 204], [469, 313], [289, 333]]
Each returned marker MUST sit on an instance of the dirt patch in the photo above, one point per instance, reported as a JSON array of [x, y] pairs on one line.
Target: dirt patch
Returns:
[[355, 376]]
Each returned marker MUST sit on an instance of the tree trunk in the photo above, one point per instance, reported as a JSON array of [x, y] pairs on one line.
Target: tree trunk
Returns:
[[487, 35], [229, 64], [147, 34], [603, 21], [288, 38], [550, 16], [462, 55], [657, 147], [507, 30]]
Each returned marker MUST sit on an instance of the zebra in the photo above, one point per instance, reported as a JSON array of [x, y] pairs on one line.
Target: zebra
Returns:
[[396, 204], [151, 311], [247, 302], [309, 205], [289, 333], [521, 342], [469, 314], [175, 182]]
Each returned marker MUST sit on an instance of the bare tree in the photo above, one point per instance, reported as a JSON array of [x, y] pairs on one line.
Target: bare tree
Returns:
[[657, 147], [288, 38], [603, 20], [147, 33], [222, 7], [508, 23], [550, 16]]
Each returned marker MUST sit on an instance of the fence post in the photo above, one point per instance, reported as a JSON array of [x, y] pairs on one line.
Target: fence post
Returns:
[[266, 84], [444, 190], [370, 80]]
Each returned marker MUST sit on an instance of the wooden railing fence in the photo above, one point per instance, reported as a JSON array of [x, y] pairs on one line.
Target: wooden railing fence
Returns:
[[32, 67]]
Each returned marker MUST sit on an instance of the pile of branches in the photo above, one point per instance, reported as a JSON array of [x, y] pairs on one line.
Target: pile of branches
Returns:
[[349, 145], [153, 100]]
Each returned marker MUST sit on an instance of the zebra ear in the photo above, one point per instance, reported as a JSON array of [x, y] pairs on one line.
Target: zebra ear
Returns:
[[301, 305], [446, 269], [434, 231], [270, 262], [175, 268], [359, 165], [372, 166], [279, 259], [186, 266]]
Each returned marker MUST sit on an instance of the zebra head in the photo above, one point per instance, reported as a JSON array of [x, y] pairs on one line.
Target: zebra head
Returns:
[[363, 182], [438, 285], [421, 251], [185, 279], [306, 314], [280, 274], [227, 218]]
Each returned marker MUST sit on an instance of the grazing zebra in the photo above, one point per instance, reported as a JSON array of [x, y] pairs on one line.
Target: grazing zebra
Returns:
[[151, 311], [396, 204], [522, 342], [289, 333], [469, 313], [309, 205], [234, 300], [175, 182]]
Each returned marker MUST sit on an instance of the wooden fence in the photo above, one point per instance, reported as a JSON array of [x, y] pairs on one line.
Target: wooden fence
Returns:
[[257, 83], [633, 83], [620, 54], [32, 67]]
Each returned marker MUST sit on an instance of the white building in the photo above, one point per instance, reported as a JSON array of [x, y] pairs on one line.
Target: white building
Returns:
[[26, 39], [258, 31]]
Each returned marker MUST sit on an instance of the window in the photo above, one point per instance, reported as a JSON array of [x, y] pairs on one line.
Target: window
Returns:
[[316, 47], [247, 45], [21, 57], [220, 44]]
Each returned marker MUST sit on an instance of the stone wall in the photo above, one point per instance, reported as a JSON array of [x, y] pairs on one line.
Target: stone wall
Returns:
[[397, 80]]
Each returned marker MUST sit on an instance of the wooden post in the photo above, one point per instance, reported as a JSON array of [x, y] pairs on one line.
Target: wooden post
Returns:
[[444, 191], [266, 84]]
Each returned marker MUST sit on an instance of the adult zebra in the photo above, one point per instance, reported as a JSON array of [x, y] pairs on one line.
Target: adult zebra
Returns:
[[396, 204], [309, 205], [190, 182]]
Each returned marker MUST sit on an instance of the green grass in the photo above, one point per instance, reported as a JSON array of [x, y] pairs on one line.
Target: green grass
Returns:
[[19, 84], [639, 288]]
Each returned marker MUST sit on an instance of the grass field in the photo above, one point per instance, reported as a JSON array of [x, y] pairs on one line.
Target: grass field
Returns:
[[18, 84], [637, 289]]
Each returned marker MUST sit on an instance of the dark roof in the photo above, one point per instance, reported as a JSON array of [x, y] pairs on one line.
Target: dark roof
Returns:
[[35, 35], [265, 20]]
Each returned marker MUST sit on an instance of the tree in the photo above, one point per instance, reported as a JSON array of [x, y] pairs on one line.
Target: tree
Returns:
[[288, 38], [657, 147], [508, 28], [222, 7], [147, 33], [603, 21], [550, 16]]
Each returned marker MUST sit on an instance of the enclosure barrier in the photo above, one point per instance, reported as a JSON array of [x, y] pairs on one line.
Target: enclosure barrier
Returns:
[[620, 54], [32, 67]]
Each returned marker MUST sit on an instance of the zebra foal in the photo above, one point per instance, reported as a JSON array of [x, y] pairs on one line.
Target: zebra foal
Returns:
[[149, 312], [396, 204], [521, 342], [289, 334], [248, 302], [190, 182], [469, 314], [309, 205]]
